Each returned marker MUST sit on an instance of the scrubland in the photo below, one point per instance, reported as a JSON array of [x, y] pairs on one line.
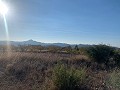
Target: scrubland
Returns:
[[58, 71]]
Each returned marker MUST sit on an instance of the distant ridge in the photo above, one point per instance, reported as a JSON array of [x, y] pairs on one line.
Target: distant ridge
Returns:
[[32, 42]]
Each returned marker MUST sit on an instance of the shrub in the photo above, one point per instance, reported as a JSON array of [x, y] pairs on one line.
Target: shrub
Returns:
[[116, 58], [100, 53], [114, 80], [68, 78]]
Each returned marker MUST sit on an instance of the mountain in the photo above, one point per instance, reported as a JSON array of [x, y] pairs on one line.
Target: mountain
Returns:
[[32, 42]]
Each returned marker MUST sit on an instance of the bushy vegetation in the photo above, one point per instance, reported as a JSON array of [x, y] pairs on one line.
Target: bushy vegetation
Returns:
[[116, 58], [69, 78], [41, 71], [101, 53], [114, 80], [29, 69], [38, 48]]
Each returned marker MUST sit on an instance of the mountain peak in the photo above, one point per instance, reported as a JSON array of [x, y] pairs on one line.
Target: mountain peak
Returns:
[[31, 40]]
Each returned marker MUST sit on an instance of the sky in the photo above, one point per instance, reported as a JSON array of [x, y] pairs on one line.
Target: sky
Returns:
[[66, 21]]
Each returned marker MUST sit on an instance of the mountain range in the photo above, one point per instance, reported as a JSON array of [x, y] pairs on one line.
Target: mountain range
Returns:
[[32, 42]]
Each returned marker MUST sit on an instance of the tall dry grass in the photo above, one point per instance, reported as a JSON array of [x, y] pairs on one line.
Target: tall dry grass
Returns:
[[34, 71]]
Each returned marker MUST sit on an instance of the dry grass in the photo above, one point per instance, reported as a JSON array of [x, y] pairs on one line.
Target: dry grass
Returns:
[[33, 71]]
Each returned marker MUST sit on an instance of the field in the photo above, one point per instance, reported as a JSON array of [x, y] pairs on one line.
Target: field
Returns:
[[29, 68], [34, 71]]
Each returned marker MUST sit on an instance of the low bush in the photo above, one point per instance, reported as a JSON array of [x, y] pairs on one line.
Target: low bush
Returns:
[[116, 58], [66, 78], [100, 53]]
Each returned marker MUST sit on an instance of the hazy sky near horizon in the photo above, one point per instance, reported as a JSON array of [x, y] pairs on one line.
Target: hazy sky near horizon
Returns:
[[68, 21]]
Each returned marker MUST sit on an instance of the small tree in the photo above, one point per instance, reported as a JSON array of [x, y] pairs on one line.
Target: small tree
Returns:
[[76, 48]]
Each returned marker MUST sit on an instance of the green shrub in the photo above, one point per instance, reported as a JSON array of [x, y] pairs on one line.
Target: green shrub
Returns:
[[100, 53], [116, 58], [68, 78], [114, 80]]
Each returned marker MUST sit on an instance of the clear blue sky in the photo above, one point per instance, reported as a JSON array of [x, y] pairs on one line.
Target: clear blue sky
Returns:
[[68, 21]]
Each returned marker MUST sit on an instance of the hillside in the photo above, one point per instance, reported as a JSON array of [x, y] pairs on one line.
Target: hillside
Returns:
[[32, 42]]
